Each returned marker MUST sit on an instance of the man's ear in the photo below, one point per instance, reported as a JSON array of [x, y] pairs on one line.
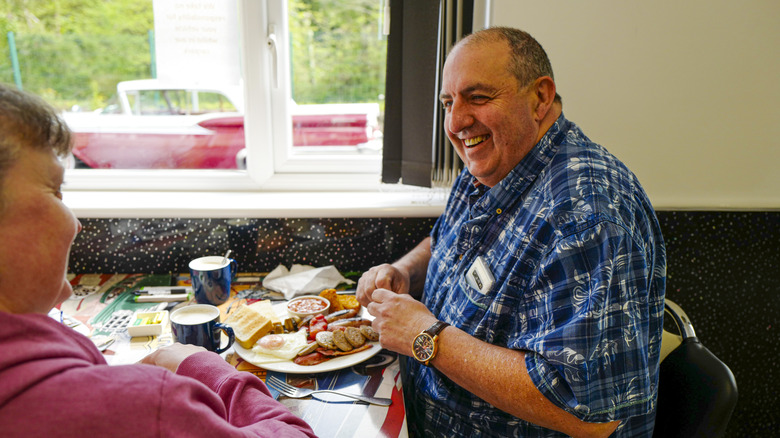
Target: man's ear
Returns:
[[544, 87]]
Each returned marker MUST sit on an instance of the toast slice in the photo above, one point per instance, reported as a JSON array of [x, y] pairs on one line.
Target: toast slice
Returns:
[[265, 308], [248, 325]]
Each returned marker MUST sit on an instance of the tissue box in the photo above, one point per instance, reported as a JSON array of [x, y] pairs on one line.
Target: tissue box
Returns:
[[147, 323]]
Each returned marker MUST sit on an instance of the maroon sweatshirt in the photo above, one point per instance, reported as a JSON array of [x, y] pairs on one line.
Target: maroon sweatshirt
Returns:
[[55, 383]]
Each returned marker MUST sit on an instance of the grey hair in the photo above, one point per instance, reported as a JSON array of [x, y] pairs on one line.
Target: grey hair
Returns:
[[529, 61]]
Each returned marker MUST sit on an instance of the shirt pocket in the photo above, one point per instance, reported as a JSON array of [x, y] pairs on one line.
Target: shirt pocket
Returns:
[[468, 306]]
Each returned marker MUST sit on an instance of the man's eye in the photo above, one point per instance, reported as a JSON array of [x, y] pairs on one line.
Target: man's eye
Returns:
[[479, 99], [446, 104]]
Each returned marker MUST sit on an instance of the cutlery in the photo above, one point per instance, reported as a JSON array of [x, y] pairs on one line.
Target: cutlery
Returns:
[[293, 392]]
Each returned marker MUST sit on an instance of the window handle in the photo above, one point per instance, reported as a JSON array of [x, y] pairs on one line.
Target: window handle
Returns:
[[386, 20], [274, 54]]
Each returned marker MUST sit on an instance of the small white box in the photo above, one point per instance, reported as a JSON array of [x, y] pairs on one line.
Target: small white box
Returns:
[[479, 276], [147, 323]]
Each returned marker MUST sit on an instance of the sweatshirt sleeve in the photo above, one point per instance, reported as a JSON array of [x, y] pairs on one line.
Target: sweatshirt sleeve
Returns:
[[223, 402]]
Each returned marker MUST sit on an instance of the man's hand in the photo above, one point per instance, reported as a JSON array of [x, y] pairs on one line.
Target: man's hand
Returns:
[[384, 276], [172, 355], [398, 318]]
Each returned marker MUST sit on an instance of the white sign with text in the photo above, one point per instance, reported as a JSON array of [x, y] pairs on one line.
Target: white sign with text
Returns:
[[197, 41]]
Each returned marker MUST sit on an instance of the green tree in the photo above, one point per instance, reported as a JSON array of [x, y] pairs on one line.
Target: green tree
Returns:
[[338, 53], [75, 51]]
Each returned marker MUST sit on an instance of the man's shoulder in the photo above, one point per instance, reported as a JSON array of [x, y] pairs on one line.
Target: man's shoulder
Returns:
[[587, 184]]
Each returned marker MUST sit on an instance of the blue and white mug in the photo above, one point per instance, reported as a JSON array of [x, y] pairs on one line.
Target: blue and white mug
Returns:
[[198, 324], [211, 277]]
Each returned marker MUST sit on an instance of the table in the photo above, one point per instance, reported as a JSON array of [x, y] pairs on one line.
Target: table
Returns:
[[341, 417], [100, 295]]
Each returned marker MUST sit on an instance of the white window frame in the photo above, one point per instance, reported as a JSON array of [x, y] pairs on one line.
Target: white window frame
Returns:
[[272, 164], [288, 160]]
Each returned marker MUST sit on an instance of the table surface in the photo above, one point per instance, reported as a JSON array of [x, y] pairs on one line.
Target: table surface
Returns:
[[99, 296]]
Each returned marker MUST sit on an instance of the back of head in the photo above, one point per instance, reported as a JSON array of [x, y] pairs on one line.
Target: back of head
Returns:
[[528, 62], [27, 121]]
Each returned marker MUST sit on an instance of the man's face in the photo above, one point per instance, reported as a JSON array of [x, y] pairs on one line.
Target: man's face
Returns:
[[489, 119], [36, 232]]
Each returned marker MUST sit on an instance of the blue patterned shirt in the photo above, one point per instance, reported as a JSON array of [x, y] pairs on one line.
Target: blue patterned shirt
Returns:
[[579, 265]]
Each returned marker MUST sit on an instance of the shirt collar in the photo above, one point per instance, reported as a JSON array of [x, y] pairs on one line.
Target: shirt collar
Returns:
[[505, 193]]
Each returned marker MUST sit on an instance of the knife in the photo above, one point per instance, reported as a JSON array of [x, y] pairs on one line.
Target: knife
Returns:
[[374, 369]]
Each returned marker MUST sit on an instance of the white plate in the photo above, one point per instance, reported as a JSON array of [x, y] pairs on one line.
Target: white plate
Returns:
[[290, 367], [334, 364]]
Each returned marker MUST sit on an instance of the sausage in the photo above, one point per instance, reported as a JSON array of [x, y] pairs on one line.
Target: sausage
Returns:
[[369, 333], [340, 339], [341, 314], [354, 336], [349, 322], [325, 340], [310, 348]]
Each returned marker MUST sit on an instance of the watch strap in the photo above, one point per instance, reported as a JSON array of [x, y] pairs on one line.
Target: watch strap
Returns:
[[436, 328]]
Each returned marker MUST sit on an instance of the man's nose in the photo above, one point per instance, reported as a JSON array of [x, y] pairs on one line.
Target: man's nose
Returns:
[[459, 117]]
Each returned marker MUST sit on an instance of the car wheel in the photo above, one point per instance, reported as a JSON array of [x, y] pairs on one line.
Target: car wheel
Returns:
[[68, 161], [71, 161], [241, 159], [80, 164]]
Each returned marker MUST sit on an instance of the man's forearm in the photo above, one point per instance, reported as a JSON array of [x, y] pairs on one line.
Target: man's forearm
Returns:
[[499, 376], [415, 263]]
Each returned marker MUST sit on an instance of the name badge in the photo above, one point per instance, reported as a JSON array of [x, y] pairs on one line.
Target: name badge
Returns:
[[479, 276]]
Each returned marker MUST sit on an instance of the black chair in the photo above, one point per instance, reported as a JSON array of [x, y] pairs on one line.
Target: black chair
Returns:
[[697, 392]]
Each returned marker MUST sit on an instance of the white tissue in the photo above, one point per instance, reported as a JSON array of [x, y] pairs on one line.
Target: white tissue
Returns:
[[303, 280]]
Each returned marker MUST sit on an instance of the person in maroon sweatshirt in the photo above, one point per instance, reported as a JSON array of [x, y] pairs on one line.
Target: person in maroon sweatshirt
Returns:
[[53, 381]]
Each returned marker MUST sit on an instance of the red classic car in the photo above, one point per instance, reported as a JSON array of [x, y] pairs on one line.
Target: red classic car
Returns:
[[150, 125]]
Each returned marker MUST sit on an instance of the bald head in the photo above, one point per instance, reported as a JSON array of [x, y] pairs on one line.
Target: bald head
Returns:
[[528, 60]]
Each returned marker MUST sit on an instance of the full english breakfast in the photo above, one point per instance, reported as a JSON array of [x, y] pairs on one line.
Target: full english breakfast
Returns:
[[306, 341]]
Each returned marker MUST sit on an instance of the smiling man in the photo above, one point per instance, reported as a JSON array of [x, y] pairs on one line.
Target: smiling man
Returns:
[[493, 117], [536, 306]]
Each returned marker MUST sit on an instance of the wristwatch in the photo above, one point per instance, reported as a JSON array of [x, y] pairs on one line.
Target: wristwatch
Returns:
[[425, 344]]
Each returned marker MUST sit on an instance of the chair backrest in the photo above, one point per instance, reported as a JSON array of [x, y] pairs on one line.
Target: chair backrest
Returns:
[[697, 392]]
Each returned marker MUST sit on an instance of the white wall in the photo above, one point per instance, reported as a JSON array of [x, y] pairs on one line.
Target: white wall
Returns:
[[687, 93]]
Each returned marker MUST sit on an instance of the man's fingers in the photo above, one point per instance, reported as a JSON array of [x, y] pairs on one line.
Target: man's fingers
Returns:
[[379, 295], [385, 280]]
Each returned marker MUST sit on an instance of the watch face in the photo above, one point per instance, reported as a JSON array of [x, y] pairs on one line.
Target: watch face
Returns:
[[423, 347]]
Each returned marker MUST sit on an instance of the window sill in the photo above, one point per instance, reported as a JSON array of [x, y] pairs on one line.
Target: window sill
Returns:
[[232, 194], [215, 204]]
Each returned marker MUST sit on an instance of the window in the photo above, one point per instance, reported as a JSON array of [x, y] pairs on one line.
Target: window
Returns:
[[332, 85], [308, 99], [177, 102]]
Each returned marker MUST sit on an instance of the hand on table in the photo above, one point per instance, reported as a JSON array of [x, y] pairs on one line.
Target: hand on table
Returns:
[[398, 318], [171, 356], [384, 276]]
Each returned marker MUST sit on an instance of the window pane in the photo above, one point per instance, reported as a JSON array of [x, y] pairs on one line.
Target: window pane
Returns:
[[338, 74], [104, 65], [94, 61]]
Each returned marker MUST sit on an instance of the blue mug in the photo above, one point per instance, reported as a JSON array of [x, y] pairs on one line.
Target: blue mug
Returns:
[[199, 324], [211, 277]]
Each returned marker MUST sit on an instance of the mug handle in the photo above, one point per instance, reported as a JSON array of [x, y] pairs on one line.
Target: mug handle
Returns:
[[228, 331], [233, 269]]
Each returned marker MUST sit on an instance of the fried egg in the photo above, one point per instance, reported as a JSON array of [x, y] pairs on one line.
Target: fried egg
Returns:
[[283, 346]]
